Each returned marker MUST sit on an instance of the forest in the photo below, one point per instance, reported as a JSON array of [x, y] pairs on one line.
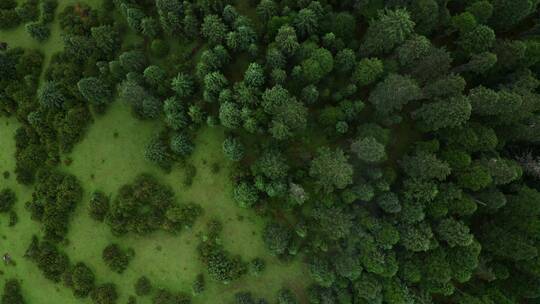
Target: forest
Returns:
[[270, 151]]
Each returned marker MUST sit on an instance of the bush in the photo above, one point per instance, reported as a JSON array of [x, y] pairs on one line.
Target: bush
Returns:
[[12, 292], [143, 286], [104, 294], [198, 285], [98, 207], [38, 31], [115, 258], [7, 200], [9, 19]]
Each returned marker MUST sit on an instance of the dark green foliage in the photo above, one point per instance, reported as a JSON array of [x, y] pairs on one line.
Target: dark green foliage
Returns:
[[221, 265], [133, 61], [38, 31], [98, 207], [434, 207], [368, 70], [55, 197], [143, 286], [393, 93], [257, 266], [94, 90], [158, 151], [50, 261], [331, 169], [286, 296], [81, 279], [507, 13], [7, 200], [181, 144], [145, 206], [198, 285], [391, 28], [104, 294], [368, 149], [12, 292], [213, 29], [116, 258], [277, 238], [166, 297]]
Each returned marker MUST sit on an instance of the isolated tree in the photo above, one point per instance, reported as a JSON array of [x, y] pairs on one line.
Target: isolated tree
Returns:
[[331, 170]]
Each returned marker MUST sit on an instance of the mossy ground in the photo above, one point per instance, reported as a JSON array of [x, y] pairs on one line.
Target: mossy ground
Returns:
[[105, 161]]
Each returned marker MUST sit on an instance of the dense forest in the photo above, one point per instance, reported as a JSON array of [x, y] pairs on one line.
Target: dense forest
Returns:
[[390, 146]]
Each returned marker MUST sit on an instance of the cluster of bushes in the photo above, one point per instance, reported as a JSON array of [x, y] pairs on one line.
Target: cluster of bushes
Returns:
[[146, 206], [79, 277], [39, 29], [221, 265], [55, 197], [12, 14]]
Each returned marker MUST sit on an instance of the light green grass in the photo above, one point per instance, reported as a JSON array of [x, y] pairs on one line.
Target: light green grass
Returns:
[[116, 161]]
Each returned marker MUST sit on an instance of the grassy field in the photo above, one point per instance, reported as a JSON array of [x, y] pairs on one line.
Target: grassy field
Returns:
[[105, 161]]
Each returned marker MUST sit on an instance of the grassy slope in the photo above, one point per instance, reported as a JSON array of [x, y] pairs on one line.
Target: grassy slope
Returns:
[[170, 261]]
